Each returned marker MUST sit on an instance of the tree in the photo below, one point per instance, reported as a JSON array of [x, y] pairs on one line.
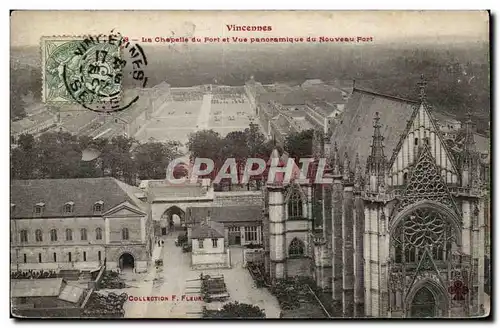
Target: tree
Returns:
[[235, 310], [152, 158], [117, 160], [59, 155], [299, 145], [205, 144], [23, 158]]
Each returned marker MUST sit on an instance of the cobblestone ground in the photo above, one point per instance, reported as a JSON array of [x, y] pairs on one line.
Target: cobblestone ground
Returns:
[[176, 278]]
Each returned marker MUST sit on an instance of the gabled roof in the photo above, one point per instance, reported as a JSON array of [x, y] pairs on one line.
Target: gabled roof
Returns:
[[251, 213], [83, 192], [353, 133], [36, 287], [210, 229]]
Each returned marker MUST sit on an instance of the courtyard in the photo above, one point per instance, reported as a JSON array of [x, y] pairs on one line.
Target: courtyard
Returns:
[[176, 278], [175, 120]]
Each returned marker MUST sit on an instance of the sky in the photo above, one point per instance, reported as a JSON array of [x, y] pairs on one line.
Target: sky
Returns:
[[27, 27]]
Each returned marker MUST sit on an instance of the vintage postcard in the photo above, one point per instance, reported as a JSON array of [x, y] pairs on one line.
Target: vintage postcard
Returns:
[[273, 164]]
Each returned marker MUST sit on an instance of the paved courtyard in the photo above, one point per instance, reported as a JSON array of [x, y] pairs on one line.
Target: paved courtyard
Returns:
[[174, 279], [177, 119]]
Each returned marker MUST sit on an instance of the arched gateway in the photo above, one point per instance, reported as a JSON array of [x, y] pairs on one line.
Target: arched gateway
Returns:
[[126, 261], [171, 219]]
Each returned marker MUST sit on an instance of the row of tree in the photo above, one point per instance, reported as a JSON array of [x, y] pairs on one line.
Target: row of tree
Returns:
[[241, 145], [54, 155]]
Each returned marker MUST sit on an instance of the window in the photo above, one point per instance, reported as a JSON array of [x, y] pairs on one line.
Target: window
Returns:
[[39, 209], [296, 248], [251, 234], [214, 242], [53, 235], [69, 257], [416, 142], [98, 206], [69, 234], [24, 236], [295, 206], [99, 255], [405, 177], [68, 208], [38, 235], [125, 234], [98, 234], [84, 256], [83, 234], [39, 257], [55, 257], [25, 258], [200, 243]]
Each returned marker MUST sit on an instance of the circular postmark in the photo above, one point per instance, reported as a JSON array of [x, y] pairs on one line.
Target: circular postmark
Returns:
[[104, 73]]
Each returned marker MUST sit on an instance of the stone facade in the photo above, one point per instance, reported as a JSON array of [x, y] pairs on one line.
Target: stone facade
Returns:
[[399, 238], [80, 242]]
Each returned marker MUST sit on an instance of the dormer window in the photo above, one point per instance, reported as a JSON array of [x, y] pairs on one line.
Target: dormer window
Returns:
[[39, 207], [98, 206], [68, 207]]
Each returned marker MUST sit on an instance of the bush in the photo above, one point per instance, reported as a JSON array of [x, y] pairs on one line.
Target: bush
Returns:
[[235, 310]]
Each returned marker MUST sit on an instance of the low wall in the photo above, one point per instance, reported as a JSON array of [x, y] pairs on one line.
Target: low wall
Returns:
[[206, 261]]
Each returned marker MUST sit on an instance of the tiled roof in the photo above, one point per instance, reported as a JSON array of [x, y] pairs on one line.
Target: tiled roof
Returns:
[[353, 134], [210, 229], [83, 192], [225, 214], [36, 287]]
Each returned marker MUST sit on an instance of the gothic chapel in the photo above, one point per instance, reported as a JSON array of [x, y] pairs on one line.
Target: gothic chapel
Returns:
[[401, 232]]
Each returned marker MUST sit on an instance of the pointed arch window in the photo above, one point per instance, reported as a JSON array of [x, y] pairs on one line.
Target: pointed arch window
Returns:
[[295, 210], [38, 235], [296, 248], [423, 229]]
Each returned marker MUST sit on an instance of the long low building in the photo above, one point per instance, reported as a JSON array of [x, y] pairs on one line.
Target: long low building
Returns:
[[242, 224], [77, 224]]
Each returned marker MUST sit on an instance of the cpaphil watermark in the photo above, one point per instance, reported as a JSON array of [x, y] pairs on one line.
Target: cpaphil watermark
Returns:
[[276, 170]]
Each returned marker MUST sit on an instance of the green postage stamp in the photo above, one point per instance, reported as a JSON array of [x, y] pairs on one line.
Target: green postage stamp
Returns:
[[85, 70]]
